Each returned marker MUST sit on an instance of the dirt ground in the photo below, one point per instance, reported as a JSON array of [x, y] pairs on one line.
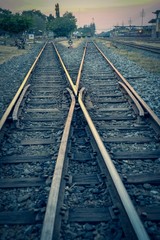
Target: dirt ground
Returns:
[[7, 52], [153, 65], [75, 44]]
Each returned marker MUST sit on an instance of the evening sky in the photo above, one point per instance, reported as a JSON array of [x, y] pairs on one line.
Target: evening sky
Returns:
[[104, 13]]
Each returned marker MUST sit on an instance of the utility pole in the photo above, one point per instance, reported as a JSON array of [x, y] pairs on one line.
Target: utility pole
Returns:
[[130, 22], [142, 14]]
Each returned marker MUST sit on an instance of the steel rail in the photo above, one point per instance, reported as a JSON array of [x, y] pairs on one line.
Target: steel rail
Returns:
[[141, 47], [12, 103], [80, 69], [74, 88], [143, 103], [50, 215], [134, 219], [140, 109], [18, 103]]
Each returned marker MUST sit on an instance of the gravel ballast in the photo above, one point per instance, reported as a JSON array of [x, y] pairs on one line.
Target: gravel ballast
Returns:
[[146, 84], [13, 72]]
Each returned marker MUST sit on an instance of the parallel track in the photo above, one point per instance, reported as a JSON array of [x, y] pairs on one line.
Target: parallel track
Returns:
[[127, 134], [30, 146], [148, 48]]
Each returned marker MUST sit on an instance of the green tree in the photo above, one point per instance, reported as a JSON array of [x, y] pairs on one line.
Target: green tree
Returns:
[[38, 19], [57, 10], [70, 22], [88, 30], [49, 23], [5, 16], [34, 12], [19, 24], [50, 18], [85, 31], [63, 26], [5, 12], [13, 23]]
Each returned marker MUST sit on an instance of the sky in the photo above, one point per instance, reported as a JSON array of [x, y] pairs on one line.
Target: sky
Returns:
[[104, 13]]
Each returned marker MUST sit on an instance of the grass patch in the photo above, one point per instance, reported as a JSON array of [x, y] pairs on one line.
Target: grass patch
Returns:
[[149, 63]]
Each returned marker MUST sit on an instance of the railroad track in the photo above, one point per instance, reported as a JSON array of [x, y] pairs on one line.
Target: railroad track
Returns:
[[30, 146], [148, 48], [127, 134], [131, 123], [87, 199]]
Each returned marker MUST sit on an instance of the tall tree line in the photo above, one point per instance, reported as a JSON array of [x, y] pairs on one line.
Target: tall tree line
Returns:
[[33, 21]]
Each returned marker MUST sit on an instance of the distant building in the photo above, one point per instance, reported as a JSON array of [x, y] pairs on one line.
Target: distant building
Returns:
[[156, 25], [132, 31]]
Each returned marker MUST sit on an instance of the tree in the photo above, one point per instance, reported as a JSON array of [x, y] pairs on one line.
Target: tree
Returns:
[[70, 22], [63, 26], [13, 23], [38, 19], [4, 12], [85, 31], [50, 18], [88, 30], [49, 23], [5, 16], [34, 12], [36, 22], [19, 24], [57, 10]]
